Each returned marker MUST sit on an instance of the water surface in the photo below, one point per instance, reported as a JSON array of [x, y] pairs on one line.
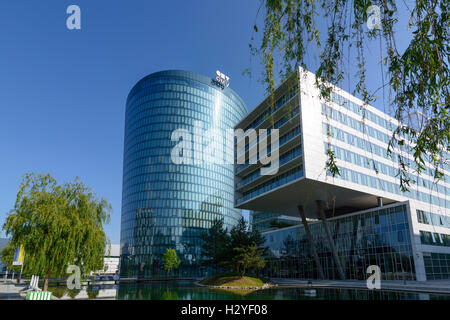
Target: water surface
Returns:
[[182, 290]]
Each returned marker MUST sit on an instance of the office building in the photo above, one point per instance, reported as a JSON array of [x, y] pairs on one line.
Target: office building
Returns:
[[166, 204], [354, 219]]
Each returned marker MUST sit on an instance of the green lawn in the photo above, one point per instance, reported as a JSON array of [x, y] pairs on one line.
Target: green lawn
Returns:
[[233, 280]]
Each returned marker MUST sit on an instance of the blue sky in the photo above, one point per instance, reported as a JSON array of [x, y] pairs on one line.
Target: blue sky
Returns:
[[63, 92]]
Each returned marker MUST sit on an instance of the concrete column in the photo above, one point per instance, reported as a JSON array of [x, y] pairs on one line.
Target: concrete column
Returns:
[[330, 240], [311, 242], [380, 201]]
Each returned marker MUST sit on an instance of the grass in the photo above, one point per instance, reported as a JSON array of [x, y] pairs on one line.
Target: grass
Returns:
[[233, 280]]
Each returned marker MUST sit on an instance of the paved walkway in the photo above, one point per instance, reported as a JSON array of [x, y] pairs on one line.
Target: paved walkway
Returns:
[[434, 286], [10, 290]]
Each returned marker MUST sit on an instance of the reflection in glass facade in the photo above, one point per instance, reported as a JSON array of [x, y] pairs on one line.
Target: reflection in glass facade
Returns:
[[377, 237], [265, 221], [165, 205], [437, 265]]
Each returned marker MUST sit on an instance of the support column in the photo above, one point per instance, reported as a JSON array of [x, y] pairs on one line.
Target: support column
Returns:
[[380, 201], [330, 240], [311, 242]]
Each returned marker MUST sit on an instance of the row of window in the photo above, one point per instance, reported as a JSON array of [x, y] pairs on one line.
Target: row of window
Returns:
[[285, 158], [361, 110], [269, 111], [378, 166], [170, 208], [367, 114], [183, 121], [210, 177], [201, 102], [367, 146], [138, 162], [149, 179], [213, 203], [378, 183], [355, 124], [434, 239], [256, 216], [164, 163], [177, 96], [434, 219], [276, 125], [177, 209], [437, 265], [206, 92], [188, 80], [283, 139], [277, 181], [169, 125], [186, 111], [151, 227], [130, 195], [160, 209], [177, 88], [208, 159]]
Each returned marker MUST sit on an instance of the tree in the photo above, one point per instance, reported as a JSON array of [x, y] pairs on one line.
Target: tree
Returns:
[[58, 225], [256, 238], [232, 251], [417, 78], [241, 239], [248, 257], [240, 236], [215, 243], [170, 260]]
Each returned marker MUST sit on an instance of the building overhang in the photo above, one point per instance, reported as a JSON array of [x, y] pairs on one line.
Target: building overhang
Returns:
[[338, 200]]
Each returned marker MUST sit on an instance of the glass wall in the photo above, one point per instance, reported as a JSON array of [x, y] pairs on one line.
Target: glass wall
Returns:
[[283, 113], [379, 237], [434, 238], [165, 205], [264, 221], [437, 265], [434, 219]]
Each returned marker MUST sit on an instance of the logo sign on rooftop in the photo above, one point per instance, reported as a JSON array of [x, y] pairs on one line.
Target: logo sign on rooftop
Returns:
[[222, 80]]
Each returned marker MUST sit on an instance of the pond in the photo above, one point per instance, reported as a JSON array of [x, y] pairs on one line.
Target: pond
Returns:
[[182, 290]]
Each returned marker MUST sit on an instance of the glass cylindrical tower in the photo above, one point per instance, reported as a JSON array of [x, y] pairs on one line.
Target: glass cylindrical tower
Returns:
[[164, 204]]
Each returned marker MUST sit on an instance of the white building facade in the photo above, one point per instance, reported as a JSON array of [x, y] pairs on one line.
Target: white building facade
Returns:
[[358, 135]]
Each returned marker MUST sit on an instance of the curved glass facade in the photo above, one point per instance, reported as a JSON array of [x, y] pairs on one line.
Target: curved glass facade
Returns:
[[165, 205]]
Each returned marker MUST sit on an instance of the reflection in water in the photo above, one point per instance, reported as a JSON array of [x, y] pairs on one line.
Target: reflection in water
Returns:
[[188, 291], [184, 290]]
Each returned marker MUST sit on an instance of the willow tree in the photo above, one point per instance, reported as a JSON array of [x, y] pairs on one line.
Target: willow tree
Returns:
[[58, 225], [416, 79]]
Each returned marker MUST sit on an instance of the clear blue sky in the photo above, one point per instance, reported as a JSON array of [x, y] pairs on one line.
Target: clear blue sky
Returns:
[[63, 92]]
